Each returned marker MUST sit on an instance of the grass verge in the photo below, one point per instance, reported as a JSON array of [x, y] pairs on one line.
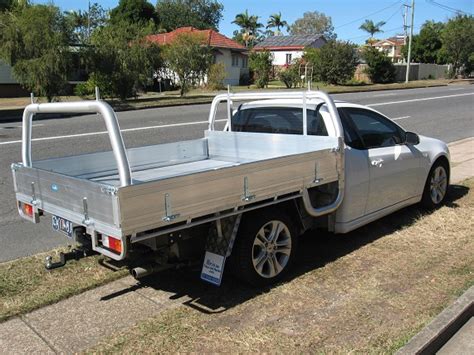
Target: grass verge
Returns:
[[202, 96], [368, 291], [26, 285]]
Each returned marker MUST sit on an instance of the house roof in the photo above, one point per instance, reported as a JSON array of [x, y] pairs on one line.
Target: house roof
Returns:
[[211, 38], [394, 41], [291, 42]]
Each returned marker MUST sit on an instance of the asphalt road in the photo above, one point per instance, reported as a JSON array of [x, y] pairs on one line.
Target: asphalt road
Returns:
[[446, 113]]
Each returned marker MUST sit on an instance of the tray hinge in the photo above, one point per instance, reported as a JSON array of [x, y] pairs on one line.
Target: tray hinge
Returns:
[[168, 211], [247, 196]]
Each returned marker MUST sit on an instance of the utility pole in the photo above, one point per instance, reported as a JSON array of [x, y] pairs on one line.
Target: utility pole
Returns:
[[410, 40], [405, 26]]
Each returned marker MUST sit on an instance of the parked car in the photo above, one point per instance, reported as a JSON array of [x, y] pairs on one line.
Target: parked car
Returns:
[[286, 162]]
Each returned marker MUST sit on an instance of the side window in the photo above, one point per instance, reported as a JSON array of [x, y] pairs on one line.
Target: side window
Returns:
[[351, 138], [286, 120], [374, 130]]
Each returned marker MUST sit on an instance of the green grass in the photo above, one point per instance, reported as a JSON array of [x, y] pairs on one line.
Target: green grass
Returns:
[[26, 285]]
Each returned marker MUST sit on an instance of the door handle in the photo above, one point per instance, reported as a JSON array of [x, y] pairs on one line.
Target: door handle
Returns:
[[377, 162]]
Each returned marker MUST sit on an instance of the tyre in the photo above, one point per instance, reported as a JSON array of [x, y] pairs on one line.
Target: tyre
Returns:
[[436, 186], [264, 248]]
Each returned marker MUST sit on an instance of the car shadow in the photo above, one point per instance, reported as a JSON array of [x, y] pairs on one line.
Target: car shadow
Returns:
[[316, 249]]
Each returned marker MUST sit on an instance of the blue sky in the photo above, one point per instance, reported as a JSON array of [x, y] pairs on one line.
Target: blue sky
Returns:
[[346, 15]]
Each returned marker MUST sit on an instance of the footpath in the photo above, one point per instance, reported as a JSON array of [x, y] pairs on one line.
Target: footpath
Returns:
[[80, 322]]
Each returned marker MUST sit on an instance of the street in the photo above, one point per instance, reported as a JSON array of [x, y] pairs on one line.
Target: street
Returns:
[[441, 112]]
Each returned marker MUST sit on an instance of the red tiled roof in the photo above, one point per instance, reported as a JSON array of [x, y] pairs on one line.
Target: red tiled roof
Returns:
[[210, 37]]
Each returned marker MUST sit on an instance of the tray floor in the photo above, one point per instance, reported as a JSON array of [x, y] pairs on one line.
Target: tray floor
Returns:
[[169, 171]]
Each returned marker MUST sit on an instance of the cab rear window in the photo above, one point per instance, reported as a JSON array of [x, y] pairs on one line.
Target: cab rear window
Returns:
[[283, 120]]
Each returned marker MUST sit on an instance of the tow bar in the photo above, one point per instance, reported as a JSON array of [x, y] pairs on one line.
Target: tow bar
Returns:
[[75, 254], [82, 251]]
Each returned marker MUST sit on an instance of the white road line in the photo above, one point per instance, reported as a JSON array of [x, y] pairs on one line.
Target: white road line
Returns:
[[105, 132], [382, 95], [455, 89], [415, 100], [400, 118]]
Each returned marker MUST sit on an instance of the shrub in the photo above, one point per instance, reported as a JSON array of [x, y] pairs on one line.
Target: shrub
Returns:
[[290, 76], [261, 65], [380, 68], [333, 63], [88, 88], [216, 76]]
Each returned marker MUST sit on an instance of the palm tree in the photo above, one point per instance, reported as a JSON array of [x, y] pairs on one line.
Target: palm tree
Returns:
[[276, 21], [370, 27], [249, 26]]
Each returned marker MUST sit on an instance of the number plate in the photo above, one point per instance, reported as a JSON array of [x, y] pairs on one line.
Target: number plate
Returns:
[[62, 225]]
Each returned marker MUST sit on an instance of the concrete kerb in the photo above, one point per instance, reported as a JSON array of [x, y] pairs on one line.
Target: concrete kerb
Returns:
[[443, 327]]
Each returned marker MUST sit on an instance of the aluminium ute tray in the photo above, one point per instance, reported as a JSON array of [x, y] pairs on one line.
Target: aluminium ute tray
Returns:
[[222, 171]]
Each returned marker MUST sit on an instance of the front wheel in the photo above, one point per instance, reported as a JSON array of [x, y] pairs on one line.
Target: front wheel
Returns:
[[436, 186], [265, 247]]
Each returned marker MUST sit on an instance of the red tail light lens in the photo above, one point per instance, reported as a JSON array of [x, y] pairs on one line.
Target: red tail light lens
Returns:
[[112, 244], [27, 209]]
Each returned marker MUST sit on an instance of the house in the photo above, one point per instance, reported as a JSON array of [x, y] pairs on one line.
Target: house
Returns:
[[9, 86], [392, 46], [286, 49], [232, 54]]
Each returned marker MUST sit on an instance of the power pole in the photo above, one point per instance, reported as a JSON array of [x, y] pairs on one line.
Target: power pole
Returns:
[[410, 40], [405, 26]]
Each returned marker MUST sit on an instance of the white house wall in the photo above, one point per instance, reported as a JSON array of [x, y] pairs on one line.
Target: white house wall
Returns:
[[6, 75], [279, 57], [233, 72]]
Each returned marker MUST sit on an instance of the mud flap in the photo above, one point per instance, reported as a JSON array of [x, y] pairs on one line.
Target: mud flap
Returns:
[[218, 247]]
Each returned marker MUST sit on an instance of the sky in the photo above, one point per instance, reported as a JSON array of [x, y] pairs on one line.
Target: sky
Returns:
[[346, 15]]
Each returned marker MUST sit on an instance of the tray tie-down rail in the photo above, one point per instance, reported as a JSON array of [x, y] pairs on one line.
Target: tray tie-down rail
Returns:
[[93, 106], [230, 98]]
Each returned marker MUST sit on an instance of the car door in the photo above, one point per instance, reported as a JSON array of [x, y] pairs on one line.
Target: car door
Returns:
[[393, 165]]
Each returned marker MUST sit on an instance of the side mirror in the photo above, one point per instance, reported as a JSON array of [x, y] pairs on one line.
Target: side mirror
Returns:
[[412, 138]]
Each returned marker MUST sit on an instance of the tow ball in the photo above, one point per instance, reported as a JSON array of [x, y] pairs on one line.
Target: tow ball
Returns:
[[83, 250]]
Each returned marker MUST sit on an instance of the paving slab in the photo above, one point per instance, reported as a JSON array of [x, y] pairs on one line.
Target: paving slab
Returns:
[[462, 342], [17, 338], [462, 159], [79, 322]]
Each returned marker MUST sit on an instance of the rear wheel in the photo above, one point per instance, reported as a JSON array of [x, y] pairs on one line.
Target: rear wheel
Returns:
[[436, 186], [265, 247]]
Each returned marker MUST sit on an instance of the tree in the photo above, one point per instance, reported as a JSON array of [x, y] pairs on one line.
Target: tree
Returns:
[[121, 61], [458, 43], [188, 58], [35, 41], [134, 11], [370, 27], [201, 14], [276, 21], [426, 45], [249, 26], [380, 68], [261, 65], [314, 23], [83, 23], [333, 63]]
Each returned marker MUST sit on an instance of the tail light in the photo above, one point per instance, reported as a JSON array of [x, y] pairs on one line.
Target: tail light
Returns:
[[29, 212], [112, 243], [27, 209]]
